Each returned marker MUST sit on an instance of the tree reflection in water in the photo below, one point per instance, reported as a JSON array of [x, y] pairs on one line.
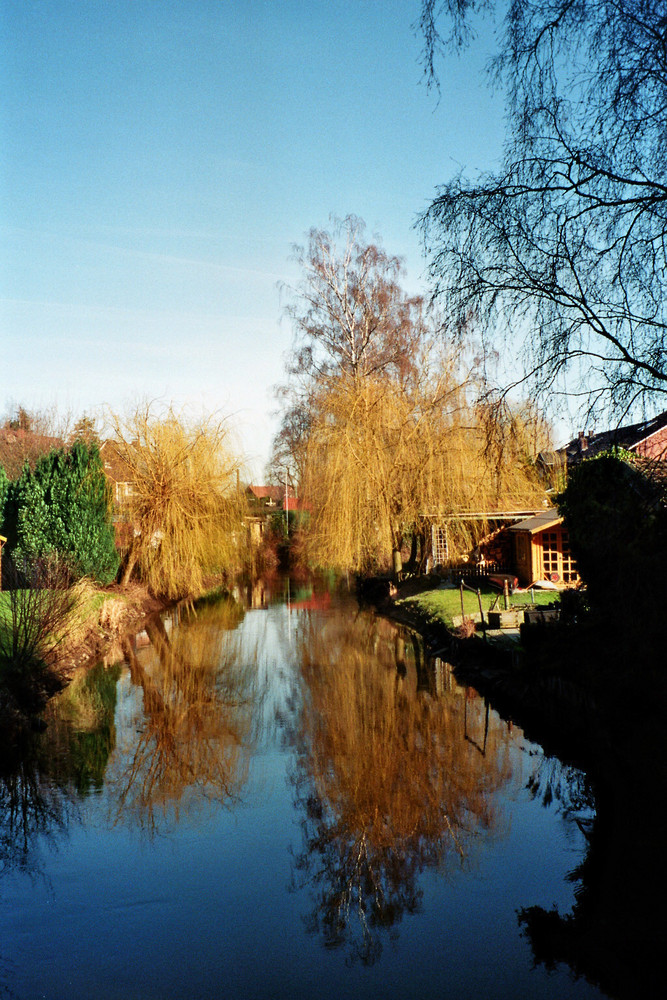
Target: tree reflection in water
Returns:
[[614, 936], [41, 784], [31, 807], [386, 780], [194, 730]]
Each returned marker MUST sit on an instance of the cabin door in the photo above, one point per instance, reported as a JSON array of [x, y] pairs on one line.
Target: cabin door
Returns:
[[557, 562]]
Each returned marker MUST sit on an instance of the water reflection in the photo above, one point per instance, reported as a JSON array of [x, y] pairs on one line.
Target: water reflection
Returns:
[[30, 808], [392, 775], [194, 696], [193, 730], [40, 786], [396, 770], [615, 934]]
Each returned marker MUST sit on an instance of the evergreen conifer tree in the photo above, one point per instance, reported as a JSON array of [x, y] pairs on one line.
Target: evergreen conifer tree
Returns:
[[64, 507]]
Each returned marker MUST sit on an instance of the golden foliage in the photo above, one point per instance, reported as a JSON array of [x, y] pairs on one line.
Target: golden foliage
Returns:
[[388, 759], [382, 457], [185, 506], [391, 778], [381, 424], [200, 698]]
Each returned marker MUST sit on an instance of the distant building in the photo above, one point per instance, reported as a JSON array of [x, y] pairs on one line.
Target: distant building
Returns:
[[118, 473], [266, 499], [648, 439], [18, 446], [119, 477]]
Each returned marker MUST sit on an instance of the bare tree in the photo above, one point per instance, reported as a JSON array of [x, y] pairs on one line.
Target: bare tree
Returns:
[[351, 319], [562, 254], [350, 314]]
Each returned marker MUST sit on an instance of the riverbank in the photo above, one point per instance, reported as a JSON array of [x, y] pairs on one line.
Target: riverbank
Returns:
[[106, 615], [101, 617], [535, 678], [593, 702]]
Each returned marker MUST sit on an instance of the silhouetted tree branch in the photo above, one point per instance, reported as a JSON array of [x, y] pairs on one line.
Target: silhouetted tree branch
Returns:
[[562, 254]]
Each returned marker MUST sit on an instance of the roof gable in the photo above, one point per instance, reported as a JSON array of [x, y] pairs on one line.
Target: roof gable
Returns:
[[541, 522], [18, 446]]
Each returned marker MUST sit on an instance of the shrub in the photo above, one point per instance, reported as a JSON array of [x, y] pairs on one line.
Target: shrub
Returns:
[[34, 620], [63, 507], [617, 520]]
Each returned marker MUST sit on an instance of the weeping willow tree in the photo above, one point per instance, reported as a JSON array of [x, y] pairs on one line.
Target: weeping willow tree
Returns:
[[381, 425], [384, 460], [184, 505]]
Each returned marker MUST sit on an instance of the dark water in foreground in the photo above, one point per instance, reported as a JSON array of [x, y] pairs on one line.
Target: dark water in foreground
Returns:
[[283, 802]]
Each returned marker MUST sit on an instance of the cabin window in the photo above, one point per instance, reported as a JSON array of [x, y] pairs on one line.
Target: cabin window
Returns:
[[557, 561]]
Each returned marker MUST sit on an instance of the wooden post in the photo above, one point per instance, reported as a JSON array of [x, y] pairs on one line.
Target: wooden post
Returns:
[[506, 595], [463, 615], [481, 613]]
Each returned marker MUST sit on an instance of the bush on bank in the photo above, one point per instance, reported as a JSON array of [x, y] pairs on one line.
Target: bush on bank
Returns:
[[62, 509]]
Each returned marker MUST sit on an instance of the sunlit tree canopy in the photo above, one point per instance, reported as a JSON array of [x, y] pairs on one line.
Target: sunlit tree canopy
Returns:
[[185, 507]]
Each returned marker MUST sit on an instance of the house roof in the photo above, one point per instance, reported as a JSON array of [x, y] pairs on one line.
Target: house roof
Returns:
[[20, 446], [549, 458], [293, 503], [274, 493], [628, 437], [542, 521]]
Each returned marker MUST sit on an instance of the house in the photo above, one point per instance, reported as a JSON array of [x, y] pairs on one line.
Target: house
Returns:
[[541, 550], [118, 473], [268, 498], [119, 477], [263, 501], [18, 447], [493, 545], [647, 439]]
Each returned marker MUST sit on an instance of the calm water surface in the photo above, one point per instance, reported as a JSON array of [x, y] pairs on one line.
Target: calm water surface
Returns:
[[282, 801]]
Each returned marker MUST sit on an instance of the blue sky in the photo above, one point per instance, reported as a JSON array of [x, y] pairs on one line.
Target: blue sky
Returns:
[[158, 161]]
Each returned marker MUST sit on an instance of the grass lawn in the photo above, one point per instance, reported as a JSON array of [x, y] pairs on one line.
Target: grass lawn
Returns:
[[442, 605]]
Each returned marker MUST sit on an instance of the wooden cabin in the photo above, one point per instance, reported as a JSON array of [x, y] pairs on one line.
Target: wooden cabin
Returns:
[[541, 547]]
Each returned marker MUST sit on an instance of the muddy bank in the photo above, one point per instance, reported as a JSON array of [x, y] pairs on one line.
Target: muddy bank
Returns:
[[122, 612], [100, 620]]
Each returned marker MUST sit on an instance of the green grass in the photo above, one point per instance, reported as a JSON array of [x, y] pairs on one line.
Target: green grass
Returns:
[[442, 605], [85, 610], [4, 616]]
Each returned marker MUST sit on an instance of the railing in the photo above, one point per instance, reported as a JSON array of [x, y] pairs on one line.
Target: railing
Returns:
[[476, 571]]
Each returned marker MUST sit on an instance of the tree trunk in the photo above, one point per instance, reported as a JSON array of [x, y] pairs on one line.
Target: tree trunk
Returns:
[[130, 562], [414, 544]]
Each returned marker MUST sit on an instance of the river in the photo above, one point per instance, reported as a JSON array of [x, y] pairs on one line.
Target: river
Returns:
[[279, 796]]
